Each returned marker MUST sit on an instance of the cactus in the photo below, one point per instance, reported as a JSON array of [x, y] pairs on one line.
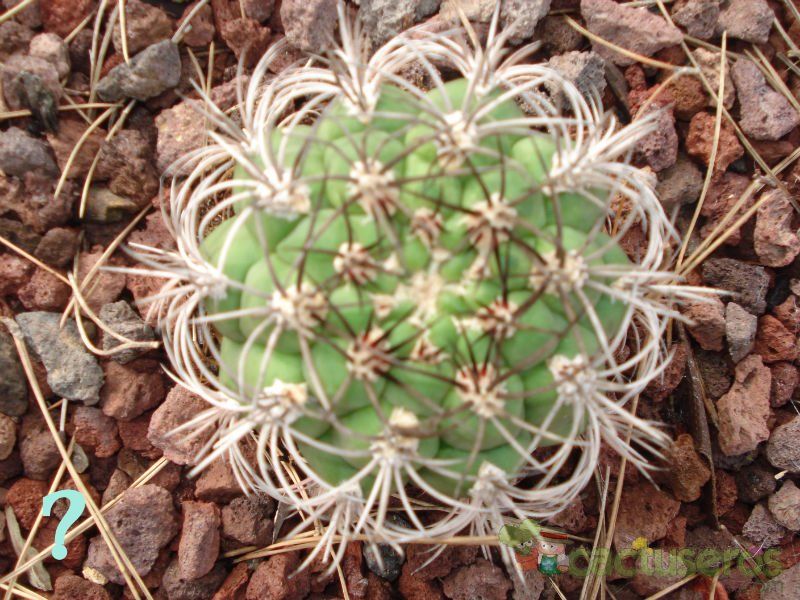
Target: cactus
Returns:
[[416, 297]]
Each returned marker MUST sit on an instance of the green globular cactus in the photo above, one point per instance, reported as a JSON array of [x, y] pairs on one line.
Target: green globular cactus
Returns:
[[407, 297]]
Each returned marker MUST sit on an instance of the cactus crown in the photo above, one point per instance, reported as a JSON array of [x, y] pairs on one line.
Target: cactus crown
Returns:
[[388, 293]]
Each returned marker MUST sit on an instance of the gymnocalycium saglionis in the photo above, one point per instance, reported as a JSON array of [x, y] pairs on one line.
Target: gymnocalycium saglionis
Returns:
[[399, 284]]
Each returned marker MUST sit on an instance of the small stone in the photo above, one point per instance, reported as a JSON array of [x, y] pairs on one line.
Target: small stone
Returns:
[[235, 584], [201, 31], [309, 24], [76, 549], [105, 286], [218, 483], [707, 322], [58, 247], [520, 17], [32, 83], [351, 566], [95, 431], [62, 16], [774, 342], [659, 149], [679, 184], [121, 318], [247, 38], [709, 63], [390, 564], [754, 483], [14, 38], [413, 588], [784, 586], [70, 587], [117, 484], [688, 471], [35, 205], [585, 70], [71, 371], [573, 517], [181, 131], [776, 242], [481, 579], [104, 206], [727, 494], [151, 72], [479, 11], [557, 35], [748, 282], [15, 271], [765, 113], [53, 49], [126, 162], [644, 511], [762, 528], [37, 449], [28, 16], [659, 571], [11, 467], [785, 378], [383, 19], [25, 499], [179, 407], [785, 506], [700, 141], [661, 387], [145, 25], [131, 390], [740, 331], [21, 153], [178, 588], [13, 383], [143, 521], [744, 410], [748, 20], [724, 193], [783, 451], [19, 235], [248, 520], [271, 579], [259, 10], [635, 29], [134, 437], [788, 313], [8, 436], [698, 17], [44, 291], [198, 549]]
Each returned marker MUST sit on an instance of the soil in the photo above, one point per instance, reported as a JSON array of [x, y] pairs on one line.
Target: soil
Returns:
[[729, 397]]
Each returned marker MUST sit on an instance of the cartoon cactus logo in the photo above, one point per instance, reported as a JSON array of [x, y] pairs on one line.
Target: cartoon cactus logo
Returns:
[[416, 300]]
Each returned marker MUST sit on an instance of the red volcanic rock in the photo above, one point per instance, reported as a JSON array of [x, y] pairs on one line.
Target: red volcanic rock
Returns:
[[744, 410], [700, 141], [774, 342], [271, 580], [198, 549]]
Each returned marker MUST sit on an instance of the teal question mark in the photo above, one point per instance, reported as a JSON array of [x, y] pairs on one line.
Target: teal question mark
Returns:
[[75, 510]]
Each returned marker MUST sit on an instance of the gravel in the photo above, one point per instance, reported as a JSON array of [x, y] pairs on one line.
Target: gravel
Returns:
[[21, 153], [180, 532], [154, 70], [635, 29], [72, 372]]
